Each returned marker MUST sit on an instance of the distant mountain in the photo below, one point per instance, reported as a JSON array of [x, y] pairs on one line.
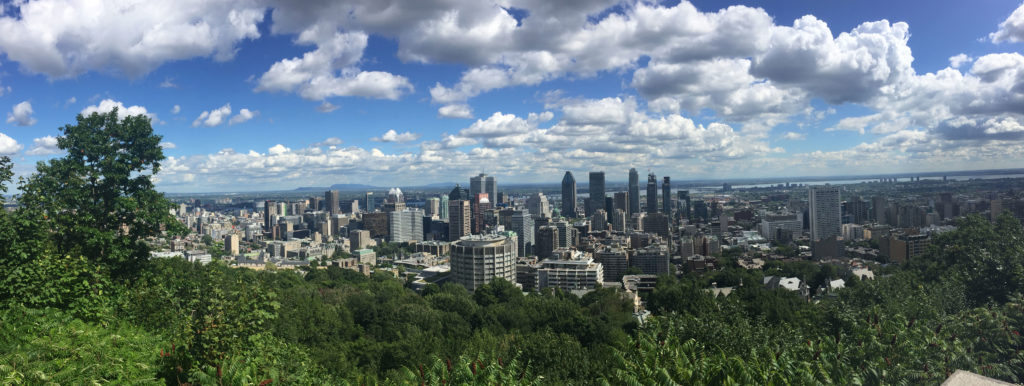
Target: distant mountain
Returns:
[[340, 187]]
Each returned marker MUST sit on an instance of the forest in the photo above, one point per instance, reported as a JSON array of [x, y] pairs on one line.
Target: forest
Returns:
[[83, 303]]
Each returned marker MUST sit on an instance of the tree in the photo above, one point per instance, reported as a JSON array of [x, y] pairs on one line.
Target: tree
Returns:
[[98, 201]]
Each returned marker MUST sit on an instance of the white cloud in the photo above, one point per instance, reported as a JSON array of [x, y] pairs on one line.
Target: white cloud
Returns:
[[168, 145], [1011, 29], [326, 107], [243, 115], [958, 60], [213, 117], [168, 83], [330, 70], [455, 111], [107, 105], [278, 149], [8, 146], [44, 146], [331, 141], [176, 109], [794, 136], [394, 136], [64, 38], [70, 101], [21, 114]]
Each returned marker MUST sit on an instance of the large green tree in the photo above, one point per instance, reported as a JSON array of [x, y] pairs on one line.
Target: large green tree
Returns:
[[98, 201]]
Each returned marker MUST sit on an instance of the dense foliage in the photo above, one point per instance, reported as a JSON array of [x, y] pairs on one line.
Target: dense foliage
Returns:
[[81, 303]]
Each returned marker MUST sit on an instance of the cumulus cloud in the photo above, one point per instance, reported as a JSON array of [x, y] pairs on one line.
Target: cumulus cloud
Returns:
[[176, 109], [455, 111], [21, 114], [1011, 29], [168, 83], [959, 60], [242, 116], [44, 146], [123, 111], [394, 136], [213, 117], [64, 38], [330, 70], [168, 145], [8, 146]]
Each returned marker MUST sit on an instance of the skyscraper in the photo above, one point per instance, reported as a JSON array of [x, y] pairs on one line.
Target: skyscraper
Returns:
[[432, 207], [484, 184], [458, 193], [332, 201], [652, 193], [568, 195], [621, 201], [538, 205], [458, 219], [269, 211], [444, 207], [371, 204], [480, 204], [406, 225], [522, 224], [666, 197], [597, 196], [547, 241], [825, 212], [634, 192], [879, 205]]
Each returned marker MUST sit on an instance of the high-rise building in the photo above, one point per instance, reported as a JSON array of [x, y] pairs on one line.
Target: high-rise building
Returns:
[[231, 244], [547, 241], [522, 225], [652, 260], [566, 234], [599, 220], [269, 211], [684, 203], [459, 193], [657, 223], [371, 204], [315, 203], [825, 212], [615, 261], [538, 205], [652, 193], [459, 219], [480, 204], [483, 184], [578, 272], [395, 201], [568, 196], [406, 225], [879, 206], [444, 208], [597, 195], [619, 220], [333, 201], [377, 224], [432, 207], [477, 260], [634, 192], [621, 201], [666, 197]]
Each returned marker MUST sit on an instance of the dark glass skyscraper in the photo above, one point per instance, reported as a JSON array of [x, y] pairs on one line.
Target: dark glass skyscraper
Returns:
[[568, 195], [597, 196], [652, 193], [332, 202], [666, 197], [634, 192]]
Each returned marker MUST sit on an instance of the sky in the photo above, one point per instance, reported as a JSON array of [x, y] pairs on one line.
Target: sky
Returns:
[[275, 94]]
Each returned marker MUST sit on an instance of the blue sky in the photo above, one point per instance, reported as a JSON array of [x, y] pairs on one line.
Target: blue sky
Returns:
[[265, 94]]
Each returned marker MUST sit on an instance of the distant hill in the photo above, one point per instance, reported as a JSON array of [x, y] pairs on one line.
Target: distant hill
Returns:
[[340, 187]]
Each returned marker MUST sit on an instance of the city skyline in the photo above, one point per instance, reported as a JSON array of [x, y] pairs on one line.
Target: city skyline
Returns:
[[254, 96]]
